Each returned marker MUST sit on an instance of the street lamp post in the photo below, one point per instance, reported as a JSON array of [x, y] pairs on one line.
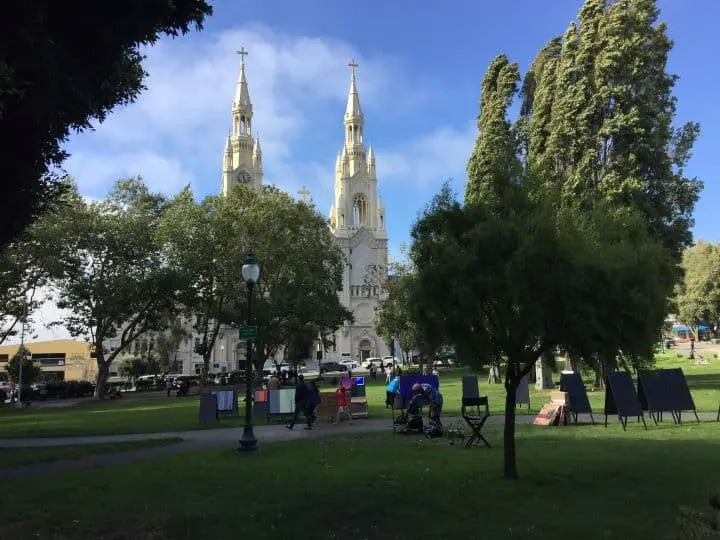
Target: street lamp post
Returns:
[[250, 274]]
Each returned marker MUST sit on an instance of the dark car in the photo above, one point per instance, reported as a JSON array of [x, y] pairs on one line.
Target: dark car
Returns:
[[332, 366]]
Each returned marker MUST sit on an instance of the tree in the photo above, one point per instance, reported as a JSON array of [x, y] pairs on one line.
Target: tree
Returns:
[[23, 276], [495, 153], [393, 319], [133, 368], [698, 294], [30, 370], [109, 271], [191, 234], [52, 83], [297, 296], [609, 136], [168, 342], [524, 275]]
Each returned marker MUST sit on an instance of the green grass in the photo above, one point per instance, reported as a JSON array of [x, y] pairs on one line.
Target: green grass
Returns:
[[14, 457], [576, 482], [162, 414]]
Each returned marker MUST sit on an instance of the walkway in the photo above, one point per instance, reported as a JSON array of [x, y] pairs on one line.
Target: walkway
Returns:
[[222, 437]]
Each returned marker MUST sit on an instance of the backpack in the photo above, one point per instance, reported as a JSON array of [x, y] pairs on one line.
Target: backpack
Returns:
[[433, 429]]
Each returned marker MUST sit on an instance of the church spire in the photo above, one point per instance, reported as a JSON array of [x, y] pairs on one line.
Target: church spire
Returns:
[[353, 111], [242, 94], [354, 122]]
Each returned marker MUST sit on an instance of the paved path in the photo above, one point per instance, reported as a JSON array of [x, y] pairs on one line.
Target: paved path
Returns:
[[221, 437]]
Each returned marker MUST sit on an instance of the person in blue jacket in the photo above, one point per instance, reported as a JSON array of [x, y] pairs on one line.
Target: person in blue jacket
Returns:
[[431, 395], [392, 392]]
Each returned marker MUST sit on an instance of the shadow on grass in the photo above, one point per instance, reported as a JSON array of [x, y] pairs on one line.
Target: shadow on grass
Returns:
[[578, 482]]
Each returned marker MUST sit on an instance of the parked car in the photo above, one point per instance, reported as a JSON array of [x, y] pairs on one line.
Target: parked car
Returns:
[[390, 361], [373, 361], [351, 364], [326, 367], [669, 342]]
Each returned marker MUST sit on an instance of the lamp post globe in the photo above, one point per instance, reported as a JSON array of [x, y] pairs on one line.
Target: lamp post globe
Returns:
[[251, 274]]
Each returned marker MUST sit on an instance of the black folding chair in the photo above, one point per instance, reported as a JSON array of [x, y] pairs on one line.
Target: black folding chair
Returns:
[[475, 410]]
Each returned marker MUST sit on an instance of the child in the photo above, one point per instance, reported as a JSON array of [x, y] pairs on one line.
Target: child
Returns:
[[343, 404]]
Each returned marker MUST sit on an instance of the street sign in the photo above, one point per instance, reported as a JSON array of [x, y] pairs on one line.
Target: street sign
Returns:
[[248, 332]]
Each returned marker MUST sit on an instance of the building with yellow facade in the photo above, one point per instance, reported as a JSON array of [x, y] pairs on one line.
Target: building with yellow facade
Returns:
[[71, 360]]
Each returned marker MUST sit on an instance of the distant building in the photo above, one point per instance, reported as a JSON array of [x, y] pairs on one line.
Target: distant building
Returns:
[[68, 359]]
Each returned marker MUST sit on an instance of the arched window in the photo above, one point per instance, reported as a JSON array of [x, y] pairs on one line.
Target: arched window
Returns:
[[359, 216]]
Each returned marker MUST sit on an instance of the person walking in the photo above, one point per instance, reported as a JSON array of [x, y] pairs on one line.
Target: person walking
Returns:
[[313, 402], [302, 395], [343, 404]]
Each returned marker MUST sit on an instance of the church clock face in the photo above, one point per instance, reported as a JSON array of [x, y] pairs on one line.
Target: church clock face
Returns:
[[243, 177]]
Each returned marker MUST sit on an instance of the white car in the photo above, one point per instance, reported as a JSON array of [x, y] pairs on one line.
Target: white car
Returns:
[[351, 364], [377, 362]]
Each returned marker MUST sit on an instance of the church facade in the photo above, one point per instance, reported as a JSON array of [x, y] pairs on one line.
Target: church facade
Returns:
[[357, 220]]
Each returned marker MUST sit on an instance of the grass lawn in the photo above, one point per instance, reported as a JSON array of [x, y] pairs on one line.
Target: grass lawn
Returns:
[[13, 457], [577, 482], [178, 414]]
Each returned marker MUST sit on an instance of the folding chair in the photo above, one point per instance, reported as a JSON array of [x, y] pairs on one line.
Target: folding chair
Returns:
[[472, 410]]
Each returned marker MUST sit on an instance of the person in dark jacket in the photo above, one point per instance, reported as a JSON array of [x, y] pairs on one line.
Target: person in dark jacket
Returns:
[[302, 401], [313, 402]]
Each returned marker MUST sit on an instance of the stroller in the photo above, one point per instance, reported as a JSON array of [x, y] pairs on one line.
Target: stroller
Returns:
[[412, 422]]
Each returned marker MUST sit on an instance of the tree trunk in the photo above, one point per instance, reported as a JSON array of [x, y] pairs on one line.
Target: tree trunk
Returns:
[[509, 456], [102, 377]]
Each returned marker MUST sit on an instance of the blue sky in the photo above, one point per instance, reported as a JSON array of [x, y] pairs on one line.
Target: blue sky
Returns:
[[419, 79]]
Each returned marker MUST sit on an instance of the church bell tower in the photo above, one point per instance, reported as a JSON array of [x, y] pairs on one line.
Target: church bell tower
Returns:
[[242, 161]]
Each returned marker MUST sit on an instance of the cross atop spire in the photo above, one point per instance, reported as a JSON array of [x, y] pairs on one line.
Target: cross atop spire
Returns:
[[353, 110], [242, 95], [304, 193], [353, 64]]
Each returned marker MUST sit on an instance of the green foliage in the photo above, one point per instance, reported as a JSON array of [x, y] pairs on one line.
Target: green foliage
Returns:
[[297, 297], [30, 371], [698, 294], [393, 319], [494, 156], [132, 367], [109, 270], [52, 82], [609, 136]]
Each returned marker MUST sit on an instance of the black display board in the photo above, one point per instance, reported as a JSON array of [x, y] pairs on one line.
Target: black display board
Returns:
[[208, 408], [522, 392], [678, 391], [621, 398], [653, 394], [578, 400]]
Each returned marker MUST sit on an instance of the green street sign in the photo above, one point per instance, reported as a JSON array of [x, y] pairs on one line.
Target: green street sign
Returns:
[[248, 332]]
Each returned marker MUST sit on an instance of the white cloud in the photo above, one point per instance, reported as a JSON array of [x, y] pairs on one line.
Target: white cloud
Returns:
[[174, 134], [432, 158]]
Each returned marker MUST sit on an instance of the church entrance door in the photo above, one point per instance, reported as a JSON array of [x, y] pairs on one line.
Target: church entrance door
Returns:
[[365, 350]]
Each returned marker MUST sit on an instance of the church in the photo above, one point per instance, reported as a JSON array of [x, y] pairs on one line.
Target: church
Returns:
[[356, 220]]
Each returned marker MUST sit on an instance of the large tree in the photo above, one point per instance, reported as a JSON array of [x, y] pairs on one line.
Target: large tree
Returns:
[[524, 275], [698, 293], [296, 299], [63, 66], [599, 109], [109, 271]]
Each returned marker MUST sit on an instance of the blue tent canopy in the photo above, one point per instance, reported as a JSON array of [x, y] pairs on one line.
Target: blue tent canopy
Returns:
[[680, 328]]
